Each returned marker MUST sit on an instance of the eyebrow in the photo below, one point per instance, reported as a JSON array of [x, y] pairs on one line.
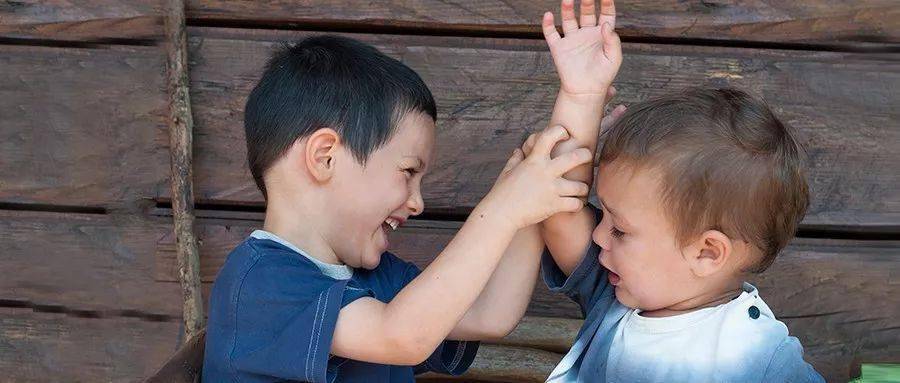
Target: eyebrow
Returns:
[[611, 211]]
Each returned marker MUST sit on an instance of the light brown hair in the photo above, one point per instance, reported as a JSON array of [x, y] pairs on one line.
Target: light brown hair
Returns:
[[727, 163]]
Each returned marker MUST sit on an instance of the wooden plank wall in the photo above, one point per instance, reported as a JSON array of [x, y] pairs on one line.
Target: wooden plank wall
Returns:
[[89, 293]]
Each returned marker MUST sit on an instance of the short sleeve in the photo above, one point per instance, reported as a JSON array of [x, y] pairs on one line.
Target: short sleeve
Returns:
[[451, 357], [587, 283], [787, 365], [285, 319]]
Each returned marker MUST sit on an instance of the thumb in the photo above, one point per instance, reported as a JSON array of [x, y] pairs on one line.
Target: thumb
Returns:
[[612, 45]]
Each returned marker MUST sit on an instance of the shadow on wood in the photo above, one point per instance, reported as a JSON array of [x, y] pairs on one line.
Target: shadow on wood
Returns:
[[185, 366]]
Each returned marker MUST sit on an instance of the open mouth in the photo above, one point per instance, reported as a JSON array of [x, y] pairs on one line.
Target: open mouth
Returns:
[[389, 225], [614, 278]]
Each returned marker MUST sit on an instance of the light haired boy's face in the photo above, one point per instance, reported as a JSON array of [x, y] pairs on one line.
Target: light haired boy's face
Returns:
[[375, 199], [640, 251]]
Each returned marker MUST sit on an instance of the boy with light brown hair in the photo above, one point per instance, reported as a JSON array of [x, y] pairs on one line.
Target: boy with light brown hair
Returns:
[[697, 190]]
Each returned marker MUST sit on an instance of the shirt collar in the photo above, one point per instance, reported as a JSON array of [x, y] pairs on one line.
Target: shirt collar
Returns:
[[331, 270]]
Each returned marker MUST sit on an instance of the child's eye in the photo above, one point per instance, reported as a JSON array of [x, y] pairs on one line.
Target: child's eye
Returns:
[[616, 233], [410, 171]]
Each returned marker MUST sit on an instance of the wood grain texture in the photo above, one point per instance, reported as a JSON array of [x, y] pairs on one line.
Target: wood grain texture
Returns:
[[492, 93], [82, 127], [809, 21], [495, 363], [43, 347], [93, 20], [181, 133], [86, 127], [186, 365], [85, 261]]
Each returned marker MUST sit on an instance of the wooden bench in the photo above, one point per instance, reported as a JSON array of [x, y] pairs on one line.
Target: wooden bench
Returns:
[[84, 188]]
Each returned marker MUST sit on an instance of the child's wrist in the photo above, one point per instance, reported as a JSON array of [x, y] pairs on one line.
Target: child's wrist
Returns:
[[583, 98], [492, 215]]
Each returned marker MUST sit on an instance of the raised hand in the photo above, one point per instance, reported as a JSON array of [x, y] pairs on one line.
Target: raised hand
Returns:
[[531, 188], [588, 57]]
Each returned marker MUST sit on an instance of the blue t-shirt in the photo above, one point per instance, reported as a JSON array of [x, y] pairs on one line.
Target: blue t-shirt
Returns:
[[273, 312], [738, 341]]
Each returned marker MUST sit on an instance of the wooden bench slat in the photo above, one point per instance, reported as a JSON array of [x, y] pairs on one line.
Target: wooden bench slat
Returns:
[[85, 126], [839, 297], [809, 21], [82, 127], [42, 347], [93, 262], [492, 93]]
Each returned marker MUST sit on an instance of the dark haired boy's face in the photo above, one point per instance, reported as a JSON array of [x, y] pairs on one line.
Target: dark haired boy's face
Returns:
[[371, 201]]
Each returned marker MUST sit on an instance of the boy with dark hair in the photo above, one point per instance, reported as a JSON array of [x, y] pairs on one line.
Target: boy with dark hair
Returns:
[[338, 139], [697, 190]]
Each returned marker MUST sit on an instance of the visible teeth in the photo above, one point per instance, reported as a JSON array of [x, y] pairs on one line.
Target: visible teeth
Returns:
[[393, 223]]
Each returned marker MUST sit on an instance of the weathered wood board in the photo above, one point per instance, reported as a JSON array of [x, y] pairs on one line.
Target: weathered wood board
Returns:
[[810, 21], [44, 347], [91, 262], [84, 127], [839, 297], [492, 93]]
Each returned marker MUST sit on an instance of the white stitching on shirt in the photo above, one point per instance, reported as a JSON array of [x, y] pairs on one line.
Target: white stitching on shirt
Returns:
[[312, 336], [460, 351], [319, 331]]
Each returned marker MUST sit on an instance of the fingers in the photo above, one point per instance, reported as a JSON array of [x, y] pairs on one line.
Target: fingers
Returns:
[[567, 188], [608, 12], [566, 162], [550, 32], [612, 46], [610, 93], [547, 139], [610, 119], [528, 146], [567, 11], [617, 112], [570, 205], [588, 14], [514, 159]]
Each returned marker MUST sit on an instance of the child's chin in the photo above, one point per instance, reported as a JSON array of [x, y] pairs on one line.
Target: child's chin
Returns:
[[371, 261], [624, 298]]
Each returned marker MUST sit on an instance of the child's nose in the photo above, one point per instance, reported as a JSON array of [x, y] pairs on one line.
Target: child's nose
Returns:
[[599, 237], [415, 203]]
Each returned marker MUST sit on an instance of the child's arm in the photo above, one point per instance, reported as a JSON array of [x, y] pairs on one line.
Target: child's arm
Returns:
[[587, 59], [504, 300], [407, 330], [578, 107]]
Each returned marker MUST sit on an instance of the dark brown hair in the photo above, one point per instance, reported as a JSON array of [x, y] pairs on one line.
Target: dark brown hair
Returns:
[[329, 81], [726, 163]]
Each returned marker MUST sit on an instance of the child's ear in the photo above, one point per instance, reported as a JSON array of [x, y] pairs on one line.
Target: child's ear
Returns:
[[320, 156], [710, 253]]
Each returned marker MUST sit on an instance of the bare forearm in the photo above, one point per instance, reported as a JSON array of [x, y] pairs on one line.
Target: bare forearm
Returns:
[[581, 116], [454, 279], [568, 236], [504, 300]]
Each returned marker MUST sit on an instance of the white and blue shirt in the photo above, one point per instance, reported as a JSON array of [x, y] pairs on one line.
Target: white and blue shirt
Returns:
[[738, 341]]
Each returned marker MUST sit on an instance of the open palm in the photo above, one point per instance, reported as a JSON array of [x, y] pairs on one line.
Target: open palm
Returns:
[[588, 57]]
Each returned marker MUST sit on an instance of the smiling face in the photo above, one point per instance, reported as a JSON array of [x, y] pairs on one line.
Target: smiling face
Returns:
[[372, 200], [646, 264]]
